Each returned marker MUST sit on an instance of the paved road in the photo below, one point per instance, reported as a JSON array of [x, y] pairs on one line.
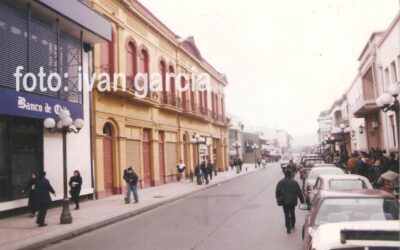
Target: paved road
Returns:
[[240, 214]]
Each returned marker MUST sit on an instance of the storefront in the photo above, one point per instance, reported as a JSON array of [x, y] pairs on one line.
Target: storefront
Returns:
[[38, 41]]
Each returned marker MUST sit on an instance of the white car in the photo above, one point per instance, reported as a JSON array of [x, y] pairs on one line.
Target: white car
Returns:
[[339, 182], [322, 169], [357, 235]]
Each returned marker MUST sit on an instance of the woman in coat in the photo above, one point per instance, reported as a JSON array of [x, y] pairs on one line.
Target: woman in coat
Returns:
[[75, 183], [30, 187]]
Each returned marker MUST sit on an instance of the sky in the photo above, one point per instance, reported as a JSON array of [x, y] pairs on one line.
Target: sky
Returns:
[[285, 60]]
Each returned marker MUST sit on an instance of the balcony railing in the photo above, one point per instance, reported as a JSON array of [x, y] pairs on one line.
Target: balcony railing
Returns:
[[171, 99]]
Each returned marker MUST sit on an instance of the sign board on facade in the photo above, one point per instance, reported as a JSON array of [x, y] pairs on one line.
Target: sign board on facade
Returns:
[[35, 106]]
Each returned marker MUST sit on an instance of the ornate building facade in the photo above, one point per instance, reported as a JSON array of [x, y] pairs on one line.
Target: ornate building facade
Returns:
[[153, 133]]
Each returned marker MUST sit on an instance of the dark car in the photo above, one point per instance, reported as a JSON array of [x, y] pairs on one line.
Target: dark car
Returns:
[[307, 164], [348, 205]]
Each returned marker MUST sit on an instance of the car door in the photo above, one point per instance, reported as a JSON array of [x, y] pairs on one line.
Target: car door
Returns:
[[309, 224]]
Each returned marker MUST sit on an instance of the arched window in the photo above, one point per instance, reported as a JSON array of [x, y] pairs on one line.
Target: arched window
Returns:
[[184, 97], [172, 96], [163, 72], [107, 129], [131, 62], [143, 66], [192, 96]]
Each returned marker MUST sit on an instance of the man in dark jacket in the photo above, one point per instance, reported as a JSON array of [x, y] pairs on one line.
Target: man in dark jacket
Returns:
[[292, 167], [210, 169], [131, 179], [204, 170], [43, 200], [362, 166], [287, 192]]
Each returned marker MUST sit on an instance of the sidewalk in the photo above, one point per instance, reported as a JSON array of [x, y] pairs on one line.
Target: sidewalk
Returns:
[[21, 232]]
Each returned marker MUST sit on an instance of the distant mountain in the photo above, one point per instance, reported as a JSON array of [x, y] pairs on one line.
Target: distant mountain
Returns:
[[305, 140]]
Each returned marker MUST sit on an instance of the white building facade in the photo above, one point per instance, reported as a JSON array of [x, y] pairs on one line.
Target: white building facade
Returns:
[[58, 38], [379, 67]]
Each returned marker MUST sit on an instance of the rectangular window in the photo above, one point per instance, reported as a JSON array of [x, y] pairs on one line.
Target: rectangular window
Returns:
[[387, 79], [393, 130], [393, 74], [44, 52]]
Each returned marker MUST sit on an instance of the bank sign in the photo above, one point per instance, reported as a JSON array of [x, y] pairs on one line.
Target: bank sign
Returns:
[[35, 106]]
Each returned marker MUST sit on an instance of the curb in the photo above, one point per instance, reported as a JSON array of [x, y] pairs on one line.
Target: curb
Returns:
[[115, 219]]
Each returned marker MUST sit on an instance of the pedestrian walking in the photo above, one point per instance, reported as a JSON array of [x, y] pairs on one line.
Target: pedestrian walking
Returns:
[[231, 163], [210, 169], [191, 175], [131, 179], [197, 172], [215, 169], [204, 170], [240, 163], [43, 189], [75, 184], [264, 163], [30, 189], [181, 170], [287, 192]]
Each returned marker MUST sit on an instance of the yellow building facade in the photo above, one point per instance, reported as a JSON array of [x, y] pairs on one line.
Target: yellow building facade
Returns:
[[152, 134]]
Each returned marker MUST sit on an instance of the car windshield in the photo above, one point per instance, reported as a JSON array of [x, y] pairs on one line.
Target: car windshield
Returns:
[[346, 184], [356, 209], [316, 173], [287, 157]]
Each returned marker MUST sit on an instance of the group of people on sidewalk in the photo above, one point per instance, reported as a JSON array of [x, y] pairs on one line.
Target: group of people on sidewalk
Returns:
[[376, 166], [236, 162], [204, 172], [39, 190]]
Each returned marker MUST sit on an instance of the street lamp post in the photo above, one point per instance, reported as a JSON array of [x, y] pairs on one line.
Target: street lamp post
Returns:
[[389, 101], [64, 126], [197, 140], [254, 147]]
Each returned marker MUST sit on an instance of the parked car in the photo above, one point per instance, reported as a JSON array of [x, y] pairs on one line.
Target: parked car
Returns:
[[339, 182], [313, 175], [307, 165], [307, 156], [348, 205], [357, 235]]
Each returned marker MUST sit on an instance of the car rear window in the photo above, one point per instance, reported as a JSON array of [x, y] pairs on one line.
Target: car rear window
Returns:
[[356, 209], [287, 157], [346, 184], [313, 162]]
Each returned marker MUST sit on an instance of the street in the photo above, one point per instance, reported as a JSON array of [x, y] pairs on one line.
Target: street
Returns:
[[240, 214]]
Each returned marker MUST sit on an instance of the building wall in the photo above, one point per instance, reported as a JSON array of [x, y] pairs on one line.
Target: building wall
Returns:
[[388, 61], [379, 66], [129, 115]]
